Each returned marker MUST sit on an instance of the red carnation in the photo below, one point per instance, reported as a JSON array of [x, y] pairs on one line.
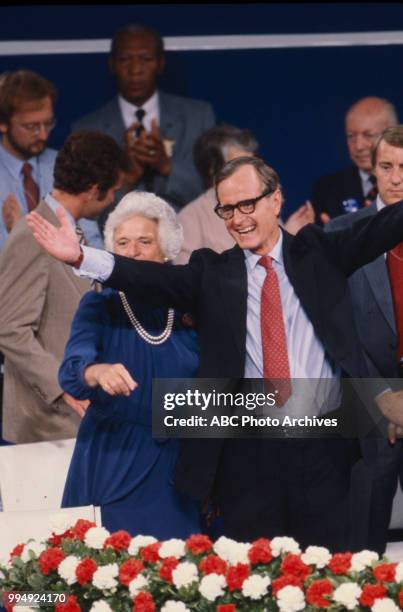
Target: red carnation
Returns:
[[17, 551], [81, 527], [293, 564], [236, 576], [85, 570], [385, 572], [213, 565], [71, 605], [150, 553], [119, 540], [129, 570], [283, 581], [143, 602], [260, 551], [198, 544], [340, 563], [226, 608], [167, 567], [318, 592], [370, 592], [50, 559]]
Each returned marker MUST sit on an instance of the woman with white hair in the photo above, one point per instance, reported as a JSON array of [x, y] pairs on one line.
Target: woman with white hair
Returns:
[[116, 347]]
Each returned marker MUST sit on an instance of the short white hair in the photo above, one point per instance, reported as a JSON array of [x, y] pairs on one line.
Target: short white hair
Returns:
[[144, 204]]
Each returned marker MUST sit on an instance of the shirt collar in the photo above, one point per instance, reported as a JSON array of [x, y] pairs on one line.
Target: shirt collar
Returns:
[[53, 204], [13, 164], [379, 203], [128, 110], [276, 253]]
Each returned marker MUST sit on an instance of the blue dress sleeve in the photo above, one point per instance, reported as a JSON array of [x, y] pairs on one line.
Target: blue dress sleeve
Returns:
[[87, 335]]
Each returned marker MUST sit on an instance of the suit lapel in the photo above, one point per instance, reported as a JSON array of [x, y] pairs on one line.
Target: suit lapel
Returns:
[[234, 291], [378, 279], [297, 261], [171, 124]]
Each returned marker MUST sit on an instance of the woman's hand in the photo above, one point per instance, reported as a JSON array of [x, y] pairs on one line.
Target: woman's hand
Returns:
[[113, 378]]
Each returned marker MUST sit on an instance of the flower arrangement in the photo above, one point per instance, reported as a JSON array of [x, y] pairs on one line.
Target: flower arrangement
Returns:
[[102, 572]]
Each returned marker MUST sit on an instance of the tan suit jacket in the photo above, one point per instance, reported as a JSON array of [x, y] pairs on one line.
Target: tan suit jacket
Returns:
[[38, 298]]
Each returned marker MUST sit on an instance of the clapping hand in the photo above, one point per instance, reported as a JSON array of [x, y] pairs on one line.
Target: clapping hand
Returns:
[[113, 378], [148, 150]]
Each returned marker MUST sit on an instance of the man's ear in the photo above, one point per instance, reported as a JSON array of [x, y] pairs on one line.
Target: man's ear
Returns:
[[3, 128], [111, 64], [161, 64], [277, 201], [92, 193]]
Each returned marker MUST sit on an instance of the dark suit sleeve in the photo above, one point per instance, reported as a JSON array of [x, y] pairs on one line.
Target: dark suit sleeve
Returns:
[[159, 284], [365, 240]]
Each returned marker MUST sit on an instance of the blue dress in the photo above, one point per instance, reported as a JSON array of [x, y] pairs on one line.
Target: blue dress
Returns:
[[116, 463]]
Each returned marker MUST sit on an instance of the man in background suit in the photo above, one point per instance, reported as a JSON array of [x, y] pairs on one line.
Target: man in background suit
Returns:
[[157, 129], [295, 487], [39, 296], [352, 188], [379, 318]]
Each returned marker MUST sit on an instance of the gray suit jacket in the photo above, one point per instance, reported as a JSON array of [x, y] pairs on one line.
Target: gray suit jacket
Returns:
[[182, 120], [373, 305], [38, 298]]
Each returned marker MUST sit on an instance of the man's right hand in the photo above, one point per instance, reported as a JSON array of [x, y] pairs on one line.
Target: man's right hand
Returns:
[[61, 242], [11, 211], [390, 404], [79, 406]]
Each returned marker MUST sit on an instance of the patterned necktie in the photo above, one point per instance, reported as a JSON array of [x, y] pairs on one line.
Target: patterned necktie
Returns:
[[372, 193], [31, 189], [274, 344], [80, 235], [140, 113], [394, 260]]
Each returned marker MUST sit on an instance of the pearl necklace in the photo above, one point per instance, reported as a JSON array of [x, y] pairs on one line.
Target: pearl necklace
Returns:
[[155, 340]]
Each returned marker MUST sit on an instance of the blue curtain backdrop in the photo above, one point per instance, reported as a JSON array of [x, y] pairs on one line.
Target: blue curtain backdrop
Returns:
[[293, 99]]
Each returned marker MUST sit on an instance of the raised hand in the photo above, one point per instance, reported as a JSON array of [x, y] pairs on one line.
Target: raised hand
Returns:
[[113, 378], [11, 211], [60, 242], [149, 150], [302, 216]]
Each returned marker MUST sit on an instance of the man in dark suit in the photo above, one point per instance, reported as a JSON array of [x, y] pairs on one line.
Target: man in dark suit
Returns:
[[296, 487], [158, 129], [352, 188], [376, 308]]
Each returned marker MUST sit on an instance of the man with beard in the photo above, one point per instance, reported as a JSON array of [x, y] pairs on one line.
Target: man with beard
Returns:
[[26, 164]]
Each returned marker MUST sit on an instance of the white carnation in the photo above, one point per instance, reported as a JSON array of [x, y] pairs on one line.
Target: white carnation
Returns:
[[172, 548], [24, 609], [385, 605], [363, 559], [284, 544], [174, 606], [67, 569], [138, 584], [35, 547], [255, 586], [212, 586], [316, 555], [139, 542], [184, 574], [61, 522], [399, 572], [231, 551], [95, 537], [105, 576], [290, 599], [100, 606], [347, 594]]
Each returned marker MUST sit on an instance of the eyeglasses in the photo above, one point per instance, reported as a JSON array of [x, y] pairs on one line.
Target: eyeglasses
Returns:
[[35, 128], [246, 207]]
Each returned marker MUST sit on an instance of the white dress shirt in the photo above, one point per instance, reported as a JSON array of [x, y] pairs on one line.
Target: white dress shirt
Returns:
[[151, 108]]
